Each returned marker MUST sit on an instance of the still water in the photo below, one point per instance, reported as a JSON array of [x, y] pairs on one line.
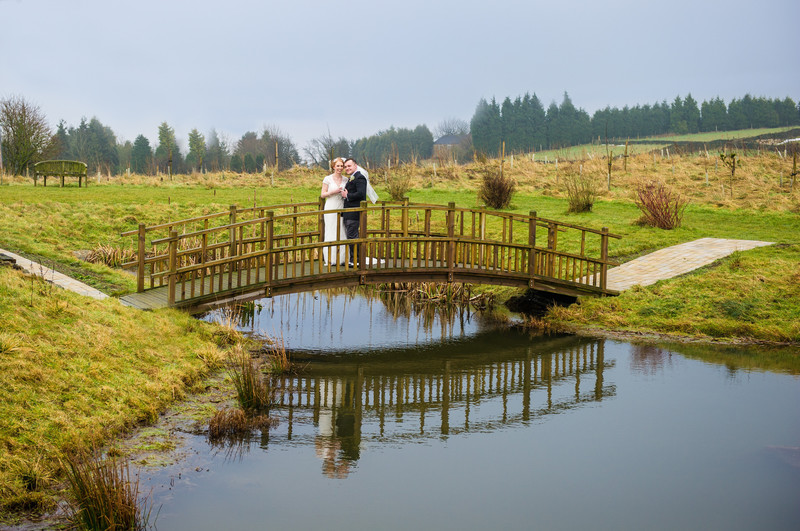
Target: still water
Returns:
[[411, 419]]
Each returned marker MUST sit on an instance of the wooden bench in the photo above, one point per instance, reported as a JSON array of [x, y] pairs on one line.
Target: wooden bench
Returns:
[[60, 168]]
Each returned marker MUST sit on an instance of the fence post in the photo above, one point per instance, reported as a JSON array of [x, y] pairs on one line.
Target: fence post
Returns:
[[532, 244], [173, 262], [140, 265], [451, 240], [604, 258]]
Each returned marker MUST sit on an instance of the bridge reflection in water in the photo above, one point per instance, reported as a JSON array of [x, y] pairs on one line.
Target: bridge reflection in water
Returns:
[[494, 382]]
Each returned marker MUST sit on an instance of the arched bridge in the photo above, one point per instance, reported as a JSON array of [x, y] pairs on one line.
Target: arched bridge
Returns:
[[272, 250]]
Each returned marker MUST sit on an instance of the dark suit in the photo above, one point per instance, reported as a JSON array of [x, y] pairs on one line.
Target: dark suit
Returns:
[[356, 193]]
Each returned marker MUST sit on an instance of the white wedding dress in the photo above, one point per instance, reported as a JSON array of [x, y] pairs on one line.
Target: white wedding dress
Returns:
[[335, 253]]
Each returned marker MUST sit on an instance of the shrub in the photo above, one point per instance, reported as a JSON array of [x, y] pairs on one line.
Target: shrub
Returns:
[[660, 206], [582, 192], [496, 189], [398, 183]]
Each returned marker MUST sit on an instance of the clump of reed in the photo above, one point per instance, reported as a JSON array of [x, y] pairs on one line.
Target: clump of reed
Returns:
[[581, 192], [496, 188], [105, 493], [661, 207], [228, 319], [253, 391], [110, 255], [278, 359], [231, 422]]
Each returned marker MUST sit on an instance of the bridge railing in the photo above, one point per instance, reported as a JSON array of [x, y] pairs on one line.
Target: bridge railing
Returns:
[[263, 248]]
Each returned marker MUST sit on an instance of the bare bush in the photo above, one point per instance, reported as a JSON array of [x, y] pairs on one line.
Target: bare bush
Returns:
[[581, 191], [660, 206], [496, 189]]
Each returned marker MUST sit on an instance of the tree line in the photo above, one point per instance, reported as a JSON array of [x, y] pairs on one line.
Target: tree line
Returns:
[[525, 126]]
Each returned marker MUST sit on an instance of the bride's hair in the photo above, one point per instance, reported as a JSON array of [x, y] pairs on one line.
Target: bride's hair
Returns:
[[333, 162]]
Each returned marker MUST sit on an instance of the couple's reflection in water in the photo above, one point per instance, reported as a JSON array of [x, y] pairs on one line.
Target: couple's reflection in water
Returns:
[[337, 442]]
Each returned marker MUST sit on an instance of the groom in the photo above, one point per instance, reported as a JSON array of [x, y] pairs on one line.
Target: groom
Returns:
[[355, 191]]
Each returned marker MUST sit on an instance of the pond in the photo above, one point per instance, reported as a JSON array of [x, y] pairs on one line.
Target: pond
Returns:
[[406, 418]]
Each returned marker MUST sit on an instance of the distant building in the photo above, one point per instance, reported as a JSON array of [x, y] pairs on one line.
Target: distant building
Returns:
[[446, 146]]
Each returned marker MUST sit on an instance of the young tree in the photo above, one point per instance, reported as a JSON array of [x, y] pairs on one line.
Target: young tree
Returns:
[[216, 152], [197, 148], [141, 156], [26, 136], [168, 155]]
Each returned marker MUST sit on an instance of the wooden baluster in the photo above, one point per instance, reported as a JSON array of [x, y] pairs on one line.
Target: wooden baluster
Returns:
[[604, 258], [268, 262], [173, 260], [140, 244], [451, 241]]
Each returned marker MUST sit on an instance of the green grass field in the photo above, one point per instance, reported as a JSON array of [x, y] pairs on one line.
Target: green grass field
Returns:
[[77, 370]]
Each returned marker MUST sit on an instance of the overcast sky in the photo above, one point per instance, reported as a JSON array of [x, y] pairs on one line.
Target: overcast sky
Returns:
[[355, 67]]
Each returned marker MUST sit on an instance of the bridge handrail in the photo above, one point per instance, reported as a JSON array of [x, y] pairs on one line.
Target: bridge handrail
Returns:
[[509, 240], [217, 215]]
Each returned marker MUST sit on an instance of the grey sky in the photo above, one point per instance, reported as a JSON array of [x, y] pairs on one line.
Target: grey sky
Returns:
[[355, 67]]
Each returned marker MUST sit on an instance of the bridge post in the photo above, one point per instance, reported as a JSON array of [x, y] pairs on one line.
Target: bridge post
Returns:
[[232, 231], [451, 240], [532, 244], [362, 235], [604, 258], [552, 243], [405, 217], [173, 262], [268, 261], [321, 223], [140, 265]]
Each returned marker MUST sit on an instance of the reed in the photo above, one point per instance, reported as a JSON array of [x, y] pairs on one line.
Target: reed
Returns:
[[278, 359], [105, 493], [229, 422], [111, 255], [253, 392]]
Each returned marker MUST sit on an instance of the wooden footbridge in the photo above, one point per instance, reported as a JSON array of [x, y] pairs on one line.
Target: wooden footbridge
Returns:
[[272, 250]]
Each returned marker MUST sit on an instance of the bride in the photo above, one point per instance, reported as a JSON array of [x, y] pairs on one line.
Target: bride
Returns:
[[332, 186]]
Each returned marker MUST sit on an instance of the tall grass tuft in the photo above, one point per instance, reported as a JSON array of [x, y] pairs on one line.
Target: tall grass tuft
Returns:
[[278, 360], [661, 207], [230, 422], [106, 495], [496, 188], [581, 191], [253, 391], [110, 255]]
